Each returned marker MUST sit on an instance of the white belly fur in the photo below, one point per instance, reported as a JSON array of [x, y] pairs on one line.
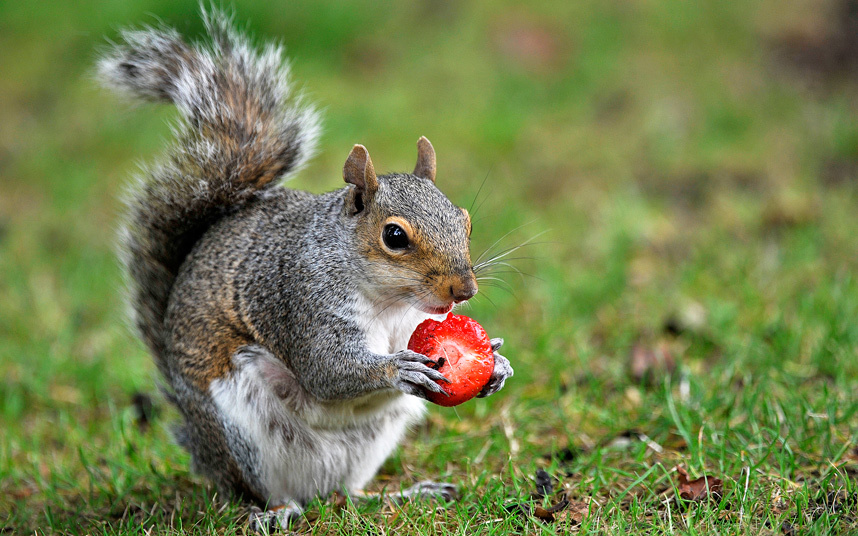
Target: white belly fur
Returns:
[[305, 448]]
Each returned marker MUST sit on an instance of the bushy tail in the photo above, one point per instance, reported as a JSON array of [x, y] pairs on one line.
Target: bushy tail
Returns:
[[240, 130]]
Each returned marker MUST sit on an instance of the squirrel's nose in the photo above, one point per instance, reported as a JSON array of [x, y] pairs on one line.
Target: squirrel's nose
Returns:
[[464, 288]]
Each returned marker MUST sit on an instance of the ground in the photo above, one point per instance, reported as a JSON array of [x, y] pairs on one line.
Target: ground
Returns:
[[687, 172]]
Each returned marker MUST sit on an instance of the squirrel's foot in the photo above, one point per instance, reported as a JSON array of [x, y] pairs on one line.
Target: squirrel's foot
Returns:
[[275, 518], [501, 372], [415, 375], [427, 489]]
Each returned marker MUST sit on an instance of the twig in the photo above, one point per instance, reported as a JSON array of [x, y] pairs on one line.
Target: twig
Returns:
[[747, 471]]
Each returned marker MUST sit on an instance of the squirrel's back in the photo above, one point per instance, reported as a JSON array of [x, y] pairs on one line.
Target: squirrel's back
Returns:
[[252, 275], [240, 130]]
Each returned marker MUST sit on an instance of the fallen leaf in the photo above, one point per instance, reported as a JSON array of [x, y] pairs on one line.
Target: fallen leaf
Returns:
[[23, 493], [547, 514], [699, 489], [577, 512], [649, 365], [543, 514], [778, 503], [339, 500]]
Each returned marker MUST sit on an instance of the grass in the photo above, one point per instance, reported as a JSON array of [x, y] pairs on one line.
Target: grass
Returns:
[[692, 165]]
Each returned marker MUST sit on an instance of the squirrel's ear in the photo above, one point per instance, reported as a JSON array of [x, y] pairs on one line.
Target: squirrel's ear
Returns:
[[358, 170], [425, 167]]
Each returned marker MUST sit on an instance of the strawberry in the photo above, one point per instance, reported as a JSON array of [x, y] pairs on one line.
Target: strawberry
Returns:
[[462, 352]]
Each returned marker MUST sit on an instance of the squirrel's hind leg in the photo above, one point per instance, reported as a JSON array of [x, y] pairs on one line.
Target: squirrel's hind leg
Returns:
[[282, 517], [427, 489], [275, 518]]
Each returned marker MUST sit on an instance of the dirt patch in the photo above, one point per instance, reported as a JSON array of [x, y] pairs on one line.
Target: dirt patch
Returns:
[[826, 52]]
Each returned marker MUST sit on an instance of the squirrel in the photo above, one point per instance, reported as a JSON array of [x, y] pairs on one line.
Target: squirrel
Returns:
[[279, 319]]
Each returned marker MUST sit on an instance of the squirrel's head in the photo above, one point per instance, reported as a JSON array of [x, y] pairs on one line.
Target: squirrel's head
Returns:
[[415, 240]]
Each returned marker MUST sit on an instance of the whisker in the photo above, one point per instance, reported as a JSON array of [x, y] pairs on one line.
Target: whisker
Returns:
[[490, 278], [513, 248], [507, 252], [485, 297], [506, 268], [496, 242], [471, 209], [520, 273], [510, 267], [509, 291], [393, 300], [411, 305], [464, 304]]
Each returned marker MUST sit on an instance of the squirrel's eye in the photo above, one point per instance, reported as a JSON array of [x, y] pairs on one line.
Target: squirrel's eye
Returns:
[[394, 236]]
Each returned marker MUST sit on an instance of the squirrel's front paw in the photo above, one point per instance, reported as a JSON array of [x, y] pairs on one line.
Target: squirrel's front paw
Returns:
[[415, 375], [501, 372]]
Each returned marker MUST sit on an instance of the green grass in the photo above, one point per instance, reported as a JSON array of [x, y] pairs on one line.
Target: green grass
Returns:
[[684, 175]]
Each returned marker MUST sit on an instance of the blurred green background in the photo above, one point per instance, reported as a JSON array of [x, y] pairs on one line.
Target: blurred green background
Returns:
[[689, 170]]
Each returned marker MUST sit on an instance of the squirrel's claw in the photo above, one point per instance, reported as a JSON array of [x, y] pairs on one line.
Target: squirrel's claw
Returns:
[[415, 376], [502, 371]]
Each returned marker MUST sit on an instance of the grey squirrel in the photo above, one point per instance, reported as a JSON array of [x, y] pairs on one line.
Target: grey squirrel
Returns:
[[279, 318]]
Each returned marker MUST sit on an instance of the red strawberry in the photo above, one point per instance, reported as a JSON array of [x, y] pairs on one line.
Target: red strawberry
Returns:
[[462, 352]]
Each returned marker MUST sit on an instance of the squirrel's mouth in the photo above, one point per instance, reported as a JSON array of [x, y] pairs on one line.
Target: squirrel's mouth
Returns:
[[436, 310]]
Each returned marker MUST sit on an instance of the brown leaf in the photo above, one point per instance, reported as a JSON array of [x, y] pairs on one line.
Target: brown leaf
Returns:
[[577, 512], [543, 514], [339, 500], [547, 514], [23, 493], [699, 489], [650, 364]]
